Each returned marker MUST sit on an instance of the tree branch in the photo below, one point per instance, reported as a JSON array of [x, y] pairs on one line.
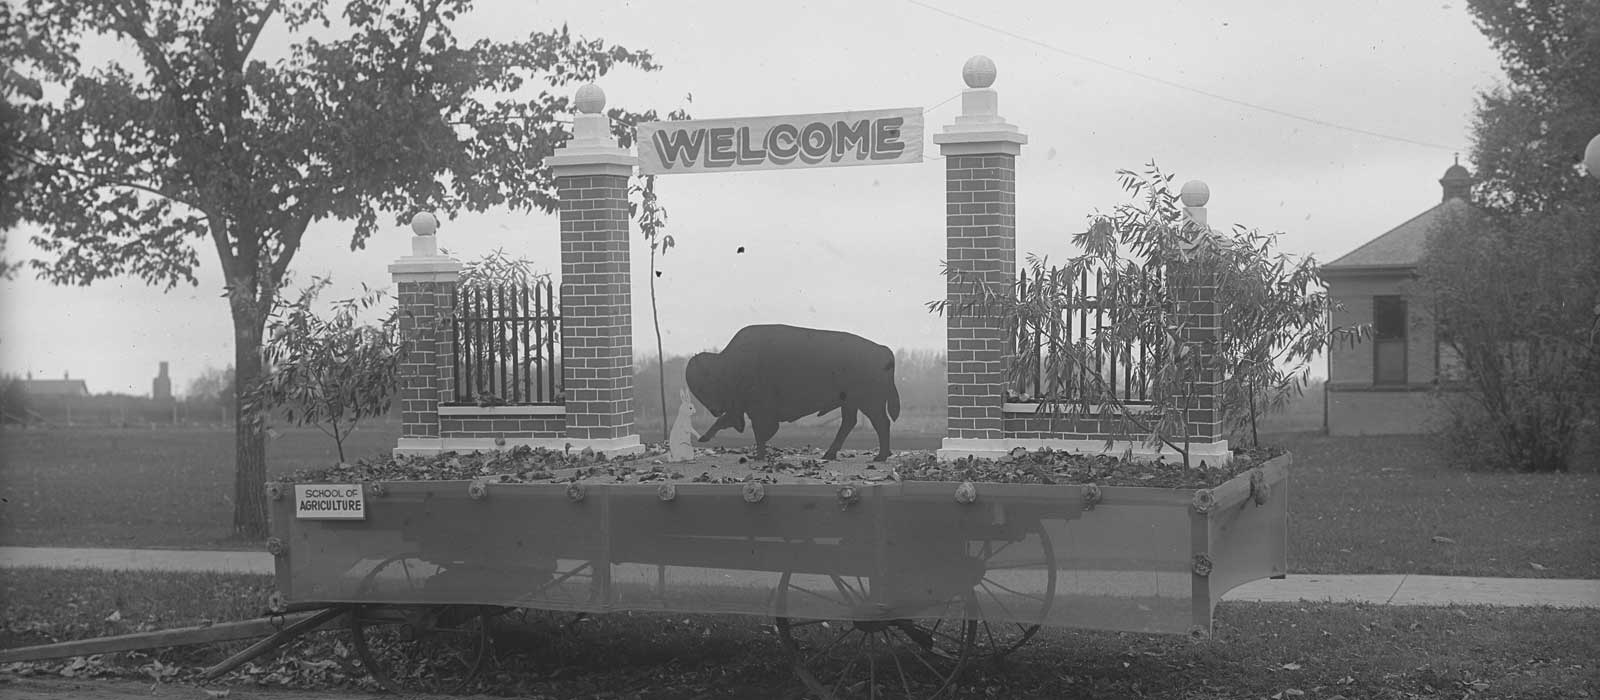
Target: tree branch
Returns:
[[253, 33], [134, 28], [425, 17], [225, 256], [279, 267], [104, 181]]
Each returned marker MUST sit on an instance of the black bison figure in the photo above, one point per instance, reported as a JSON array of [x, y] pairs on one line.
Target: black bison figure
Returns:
[[782, 373]]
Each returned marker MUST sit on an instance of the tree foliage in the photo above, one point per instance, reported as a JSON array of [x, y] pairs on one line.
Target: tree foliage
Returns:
[[1516, 301], [328, 372], [208, 140], [1515, 283], [1145, 254], [1529, 134], [212, 385]]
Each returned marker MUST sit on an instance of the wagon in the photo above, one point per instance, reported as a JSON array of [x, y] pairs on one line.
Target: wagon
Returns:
[[877, 587]]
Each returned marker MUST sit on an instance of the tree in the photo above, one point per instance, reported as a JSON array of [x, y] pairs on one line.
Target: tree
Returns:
[[1273, 317], [653, 223], [1514, 284], [212, 385], [378, 110], [14, 406], [498, 275], [330, 373], [1529, 135], [1516, 301], [212, 392]]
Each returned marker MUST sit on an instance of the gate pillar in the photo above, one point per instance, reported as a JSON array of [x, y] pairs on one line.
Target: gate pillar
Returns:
[[425, 282], [980, 151], [596, 301]]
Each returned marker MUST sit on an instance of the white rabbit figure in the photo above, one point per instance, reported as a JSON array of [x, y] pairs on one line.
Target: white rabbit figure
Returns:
[[680, 446]]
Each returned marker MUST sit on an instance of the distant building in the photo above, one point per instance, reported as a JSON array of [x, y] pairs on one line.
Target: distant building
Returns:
[[63, 387], [161, 387], [1381, 385]]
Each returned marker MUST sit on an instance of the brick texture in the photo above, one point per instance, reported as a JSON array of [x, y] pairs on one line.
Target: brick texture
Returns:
[[981, 240], [503, 426], [425, 376], [596, 306], [1195, 291]]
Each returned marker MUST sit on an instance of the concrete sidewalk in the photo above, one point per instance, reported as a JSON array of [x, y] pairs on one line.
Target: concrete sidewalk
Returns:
[[1394, 589]]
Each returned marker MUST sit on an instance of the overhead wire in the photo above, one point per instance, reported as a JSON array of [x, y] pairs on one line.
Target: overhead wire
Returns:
[[1180, 86]]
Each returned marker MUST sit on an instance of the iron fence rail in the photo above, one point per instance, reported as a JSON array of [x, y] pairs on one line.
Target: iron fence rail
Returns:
[[1089, 307], [506, 340]]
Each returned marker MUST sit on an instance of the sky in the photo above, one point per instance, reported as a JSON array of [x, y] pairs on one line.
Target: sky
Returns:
[[1329, 122]]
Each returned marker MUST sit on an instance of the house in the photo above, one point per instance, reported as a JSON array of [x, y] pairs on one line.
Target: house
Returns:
[[65, 387], [1385, 384]]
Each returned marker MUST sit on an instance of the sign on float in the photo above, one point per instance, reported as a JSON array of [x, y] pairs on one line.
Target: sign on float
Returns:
[[329, 502], [879, 137]]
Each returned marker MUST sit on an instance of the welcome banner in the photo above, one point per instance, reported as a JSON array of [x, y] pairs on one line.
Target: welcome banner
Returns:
[[837, 139]]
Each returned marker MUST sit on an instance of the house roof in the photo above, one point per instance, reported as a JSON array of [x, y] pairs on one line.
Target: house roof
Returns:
[[55, 387], [1402, 248], [1403, 245]]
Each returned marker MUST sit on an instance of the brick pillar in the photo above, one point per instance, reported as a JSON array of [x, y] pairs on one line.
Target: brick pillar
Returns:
[[980, 152], [1194, 288], [426, 283], [596, 295]]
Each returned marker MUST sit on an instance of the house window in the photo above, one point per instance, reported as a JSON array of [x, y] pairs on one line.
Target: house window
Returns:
[[1448, 367], [1388, 340]]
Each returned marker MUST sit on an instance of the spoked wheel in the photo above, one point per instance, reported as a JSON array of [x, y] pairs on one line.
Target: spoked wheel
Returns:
[[422, 648], [895, 658], [1012, 596], [418, 648]]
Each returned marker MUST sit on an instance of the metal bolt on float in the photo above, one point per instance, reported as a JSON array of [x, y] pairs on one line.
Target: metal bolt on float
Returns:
[[1091, 496], [848, 496]]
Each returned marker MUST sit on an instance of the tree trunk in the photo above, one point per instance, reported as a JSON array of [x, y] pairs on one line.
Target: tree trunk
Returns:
[[661, 360], [250, 444]]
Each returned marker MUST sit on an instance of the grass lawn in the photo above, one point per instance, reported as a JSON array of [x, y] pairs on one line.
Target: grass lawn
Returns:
[[1394, 504], [116, 487], [1259, 650], [1358, 505]]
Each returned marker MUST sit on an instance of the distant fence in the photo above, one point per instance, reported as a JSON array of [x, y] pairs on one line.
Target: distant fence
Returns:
[[507, 345], [1123, 368]]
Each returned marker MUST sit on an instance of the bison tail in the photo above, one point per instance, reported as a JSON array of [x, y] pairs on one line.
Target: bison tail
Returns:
[[894, 402]]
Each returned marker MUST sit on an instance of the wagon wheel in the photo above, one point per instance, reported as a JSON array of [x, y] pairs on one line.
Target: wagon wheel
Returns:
[[898, 658], [427, 648], [999, 594], [422, 648]]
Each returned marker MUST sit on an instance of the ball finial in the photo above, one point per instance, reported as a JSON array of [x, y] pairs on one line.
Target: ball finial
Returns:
[[424, 224], [1195, 194], [590, 99], [1591, 157], [979, 72]]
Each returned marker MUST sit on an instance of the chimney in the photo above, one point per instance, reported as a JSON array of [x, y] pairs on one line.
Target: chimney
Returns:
[[1456, 183], [161, 386]]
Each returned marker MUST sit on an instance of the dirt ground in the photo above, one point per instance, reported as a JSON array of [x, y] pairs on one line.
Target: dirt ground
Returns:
[[77, 689]]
